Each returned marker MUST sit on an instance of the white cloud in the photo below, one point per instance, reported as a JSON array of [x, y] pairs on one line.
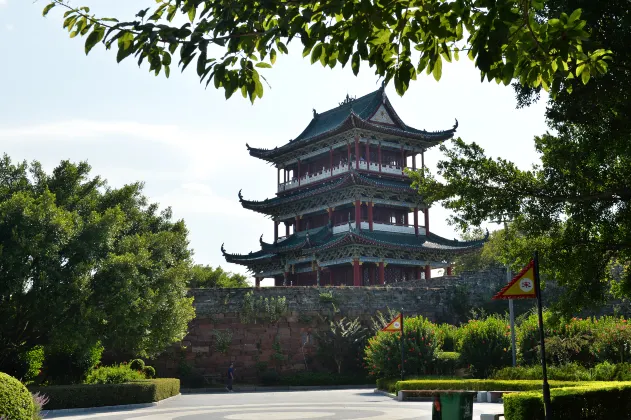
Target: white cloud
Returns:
[[3, 2], [204, 153], [9, 26]]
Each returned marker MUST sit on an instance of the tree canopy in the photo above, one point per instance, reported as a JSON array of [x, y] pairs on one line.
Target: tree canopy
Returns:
[[204, 276], [229, 42], [575, 205], [82, 263]]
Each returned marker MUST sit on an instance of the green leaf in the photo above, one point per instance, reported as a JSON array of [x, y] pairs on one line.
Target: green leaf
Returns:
[[438, 68], [272, 56], [94, 38], [585, 75], [575, 15], [316, 53], [191, 12], [47, 8], [263, 65], [355, 63]]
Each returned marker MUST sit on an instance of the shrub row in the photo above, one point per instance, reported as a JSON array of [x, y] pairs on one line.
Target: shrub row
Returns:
[[83, 396], [569, 372], [594, 401], [476, 385]]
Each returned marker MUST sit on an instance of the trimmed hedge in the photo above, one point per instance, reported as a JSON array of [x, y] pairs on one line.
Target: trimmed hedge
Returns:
[[446, 363], [477, 385], [16, 402], [594, 401], [84, 396]]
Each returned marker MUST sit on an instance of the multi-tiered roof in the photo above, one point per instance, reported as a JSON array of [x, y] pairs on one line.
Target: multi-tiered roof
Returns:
[[350, 159]]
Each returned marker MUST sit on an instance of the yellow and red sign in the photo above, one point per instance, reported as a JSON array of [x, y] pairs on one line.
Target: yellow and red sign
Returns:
[[522, 286], [394, 326]]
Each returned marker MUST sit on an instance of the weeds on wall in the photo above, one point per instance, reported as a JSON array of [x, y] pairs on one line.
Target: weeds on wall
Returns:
[[223, 339], [262, 309]]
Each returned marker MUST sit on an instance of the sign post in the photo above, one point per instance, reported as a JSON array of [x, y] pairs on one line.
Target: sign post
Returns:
[[546, 388], [526, 285]]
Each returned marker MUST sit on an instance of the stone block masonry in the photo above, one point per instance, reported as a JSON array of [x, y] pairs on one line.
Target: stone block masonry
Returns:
[[218, 336]]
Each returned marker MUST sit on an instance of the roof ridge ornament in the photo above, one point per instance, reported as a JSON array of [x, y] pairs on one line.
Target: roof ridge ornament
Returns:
[[456, 124], [223, 250], [240, 196], [348, 100], [315, 113]]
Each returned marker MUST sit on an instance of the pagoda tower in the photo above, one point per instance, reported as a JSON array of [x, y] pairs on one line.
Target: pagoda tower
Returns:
[[345, 212]]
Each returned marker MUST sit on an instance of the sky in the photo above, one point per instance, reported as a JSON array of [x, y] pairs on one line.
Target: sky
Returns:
[[187, 143]]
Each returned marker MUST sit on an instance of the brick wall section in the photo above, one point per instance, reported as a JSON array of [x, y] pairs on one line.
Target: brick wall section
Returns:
[[218, 313], [443, 299]]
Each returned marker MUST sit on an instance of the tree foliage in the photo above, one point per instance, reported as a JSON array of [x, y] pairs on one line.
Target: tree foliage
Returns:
[[228, 42], [205, 277], [575, 205], [82, 263]]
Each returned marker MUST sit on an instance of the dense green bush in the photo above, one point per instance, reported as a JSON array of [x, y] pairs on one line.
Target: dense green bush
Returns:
[[602, 401], [476, 385], [447, 336], [584, 341], [68, 365], [387, 384], [114, 375], [567, 372], [82, 396], [149, 372], [612, 340], [484, 345], [16, 402], [383, 352], [446, 363], [137, 364]]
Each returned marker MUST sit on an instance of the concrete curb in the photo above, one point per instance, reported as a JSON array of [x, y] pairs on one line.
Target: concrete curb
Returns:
[[109, 408], [385, 394], [273, 389]]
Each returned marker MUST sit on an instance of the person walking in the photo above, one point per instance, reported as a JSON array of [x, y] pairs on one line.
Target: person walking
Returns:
[[230, 377]]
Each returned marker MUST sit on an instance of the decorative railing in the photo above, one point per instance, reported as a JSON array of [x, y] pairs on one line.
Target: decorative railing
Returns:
[[339, 169]]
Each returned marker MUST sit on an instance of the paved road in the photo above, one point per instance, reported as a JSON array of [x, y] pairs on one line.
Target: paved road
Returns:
[[360, 404]]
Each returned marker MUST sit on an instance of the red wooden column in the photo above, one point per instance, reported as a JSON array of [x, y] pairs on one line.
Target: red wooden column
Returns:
[[356, 152], [405, 218], [370, 206], [416, 221], [298, 172], [257, 282], [382, 273], [428, 272], [358, 214], [402, 159], [286, 229], [356, 278], [423, 161], [426, 221], [414, 162], [372, 275], [278, 176], [449, 271], [417, 272], [297, 225], [367, 154], [331, 160], [379, 157], [276, 231]]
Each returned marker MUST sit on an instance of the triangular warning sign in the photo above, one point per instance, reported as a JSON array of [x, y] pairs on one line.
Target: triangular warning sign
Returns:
[[522, 286], [394, 326]]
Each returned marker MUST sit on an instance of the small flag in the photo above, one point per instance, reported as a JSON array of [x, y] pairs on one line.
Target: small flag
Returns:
[[394, 326], [522, 286]]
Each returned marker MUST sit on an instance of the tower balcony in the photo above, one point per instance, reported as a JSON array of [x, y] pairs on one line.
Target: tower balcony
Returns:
[[325, 173], [382, 227]]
